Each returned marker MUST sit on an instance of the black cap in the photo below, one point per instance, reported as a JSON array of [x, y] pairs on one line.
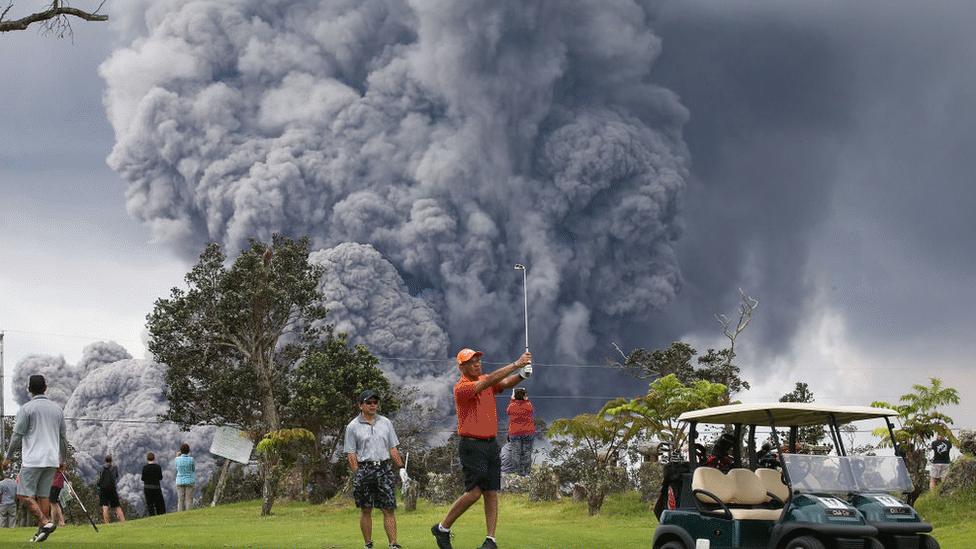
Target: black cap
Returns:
[[36, 384], [368, 394]]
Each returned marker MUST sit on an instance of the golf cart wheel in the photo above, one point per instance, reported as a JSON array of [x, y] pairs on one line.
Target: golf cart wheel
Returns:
[[927, 542], [673, 545], [805, 542]]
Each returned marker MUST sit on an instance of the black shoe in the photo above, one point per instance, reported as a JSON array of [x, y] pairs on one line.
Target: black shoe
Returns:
[[44, 531], [488, 544], [395, 546], [368, 546], [443, 538]]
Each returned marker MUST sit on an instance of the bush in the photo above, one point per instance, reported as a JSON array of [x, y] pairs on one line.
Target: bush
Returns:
[[967, 442], [443, 487], [650, 475], [543, 484], [961, 477]]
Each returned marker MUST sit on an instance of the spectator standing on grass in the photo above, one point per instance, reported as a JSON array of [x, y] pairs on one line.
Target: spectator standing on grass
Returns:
[[521, 431], [940, 460], [186, 478], [370, 445], [108, 491], [8, 502], [152, 487], [39, 433]]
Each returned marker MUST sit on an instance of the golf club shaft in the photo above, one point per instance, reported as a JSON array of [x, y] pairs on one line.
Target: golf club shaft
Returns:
[[525, 294]]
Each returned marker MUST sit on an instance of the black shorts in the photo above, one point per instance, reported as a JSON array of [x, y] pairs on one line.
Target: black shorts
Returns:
[[481, 464], [55, 495], [108, 498], [373, 486]]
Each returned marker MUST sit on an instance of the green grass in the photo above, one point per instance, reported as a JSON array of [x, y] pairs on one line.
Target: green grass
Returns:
[[954, 518], [624, 523]]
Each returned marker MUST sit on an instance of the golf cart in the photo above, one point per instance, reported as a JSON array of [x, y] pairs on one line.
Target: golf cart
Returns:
[[789, 500]]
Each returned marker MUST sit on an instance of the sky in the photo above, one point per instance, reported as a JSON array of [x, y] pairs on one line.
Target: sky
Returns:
[[826, 165]]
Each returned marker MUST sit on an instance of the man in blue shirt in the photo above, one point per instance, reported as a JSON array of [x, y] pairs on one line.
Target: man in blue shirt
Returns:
[[40, 434]]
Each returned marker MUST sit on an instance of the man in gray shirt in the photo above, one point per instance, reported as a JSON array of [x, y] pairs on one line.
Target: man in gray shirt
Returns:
[[370, 446], [8, 502], [39, 433]]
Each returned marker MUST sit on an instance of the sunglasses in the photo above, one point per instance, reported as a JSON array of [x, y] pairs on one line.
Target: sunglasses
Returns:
[[371, 402]]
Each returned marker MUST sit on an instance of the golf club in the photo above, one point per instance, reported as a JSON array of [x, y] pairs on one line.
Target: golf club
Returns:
[[525, 293], [71, 490]]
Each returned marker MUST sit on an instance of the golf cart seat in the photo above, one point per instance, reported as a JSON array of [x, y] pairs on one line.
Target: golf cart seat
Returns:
[[772, 481], [740, 491]]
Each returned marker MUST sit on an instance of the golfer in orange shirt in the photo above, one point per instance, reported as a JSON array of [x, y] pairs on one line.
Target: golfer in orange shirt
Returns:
[[481, 465]]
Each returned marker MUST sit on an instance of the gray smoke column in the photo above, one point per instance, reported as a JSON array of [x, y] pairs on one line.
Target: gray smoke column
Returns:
[[131, 390], [454, 138], [365, 296], [61, 377], [100, 353]]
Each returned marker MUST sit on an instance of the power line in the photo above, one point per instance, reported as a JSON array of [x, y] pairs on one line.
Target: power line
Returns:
[[605, 366]]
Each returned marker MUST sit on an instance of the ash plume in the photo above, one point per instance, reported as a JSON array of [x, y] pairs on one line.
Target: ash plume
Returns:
[[61, 377], [453, 139]]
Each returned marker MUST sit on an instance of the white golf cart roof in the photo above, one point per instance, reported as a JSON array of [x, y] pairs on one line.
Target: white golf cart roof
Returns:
[[784, 414]]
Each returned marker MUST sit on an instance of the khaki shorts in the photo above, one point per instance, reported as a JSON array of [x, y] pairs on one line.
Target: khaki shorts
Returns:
[[938, 470], [35, 481]]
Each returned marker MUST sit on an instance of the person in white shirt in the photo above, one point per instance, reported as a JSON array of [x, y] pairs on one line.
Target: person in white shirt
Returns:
[[39, 433]]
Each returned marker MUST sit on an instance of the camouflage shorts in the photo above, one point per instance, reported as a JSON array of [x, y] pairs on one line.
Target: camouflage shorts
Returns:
[[373, 486]]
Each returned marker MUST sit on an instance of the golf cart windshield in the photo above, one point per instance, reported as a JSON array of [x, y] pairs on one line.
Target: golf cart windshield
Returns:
[[880, 474], [819, 474], [845, 474]]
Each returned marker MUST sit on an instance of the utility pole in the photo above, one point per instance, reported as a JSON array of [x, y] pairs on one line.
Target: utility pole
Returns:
[[3, 420]]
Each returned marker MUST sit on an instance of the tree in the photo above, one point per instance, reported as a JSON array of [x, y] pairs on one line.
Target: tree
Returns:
[[656, 413], [675, 360], [324, 387], [223, 338], [597, 438], [814, 434], [55, 19], [921, 419]]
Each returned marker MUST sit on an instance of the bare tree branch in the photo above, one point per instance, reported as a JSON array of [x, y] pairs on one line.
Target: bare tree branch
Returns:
[[55, 18], [746, 306]]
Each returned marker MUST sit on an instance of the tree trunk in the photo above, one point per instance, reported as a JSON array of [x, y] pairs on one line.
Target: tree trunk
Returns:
[[269, 411], [594, 501], [269, 487]]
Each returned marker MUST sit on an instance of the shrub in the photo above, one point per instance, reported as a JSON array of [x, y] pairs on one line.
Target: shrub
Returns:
[[650, 475], [961, 477], [443, 487], [967, 442], [543, 484]]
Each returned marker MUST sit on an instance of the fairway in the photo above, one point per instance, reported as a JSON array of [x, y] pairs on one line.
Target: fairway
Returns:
[[623, 523], [522, 524]]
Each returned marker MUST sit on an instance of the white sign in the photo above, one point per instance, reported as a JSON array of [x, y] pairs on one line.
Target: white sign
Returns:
[[890, 501], [232, 444]]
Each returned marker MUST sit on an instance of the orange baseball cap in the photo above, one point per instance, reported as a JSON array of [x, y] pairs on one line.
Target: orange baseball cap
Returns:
[[466, 354]]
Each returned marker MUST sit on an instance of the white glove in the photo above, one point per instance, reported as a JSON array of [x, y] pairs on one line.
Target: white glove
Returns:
[[404, 477], [525, 372]]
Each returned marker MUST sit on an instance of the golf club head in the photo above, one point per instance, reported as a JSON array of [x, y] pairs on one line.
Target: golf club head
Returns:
[[519, 267]]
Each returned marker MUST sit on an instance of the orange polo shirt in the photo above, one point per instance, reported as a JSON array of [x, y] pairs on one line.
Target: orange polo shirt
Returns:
[[520, 420], [476, 413]]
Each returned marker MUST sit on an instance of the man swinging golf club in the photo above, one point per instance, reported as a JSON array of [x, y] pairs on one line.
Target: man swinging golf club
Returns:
[[474, 399]]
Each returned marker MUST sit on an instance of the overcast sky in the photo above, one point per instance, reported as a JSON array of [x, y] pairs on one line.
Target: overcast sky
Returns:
[[831, 176]]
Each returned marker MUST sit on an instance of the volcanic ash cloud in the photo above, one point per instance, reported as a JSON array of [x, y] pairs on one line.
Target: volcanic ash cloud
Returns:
[[454, 138]]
